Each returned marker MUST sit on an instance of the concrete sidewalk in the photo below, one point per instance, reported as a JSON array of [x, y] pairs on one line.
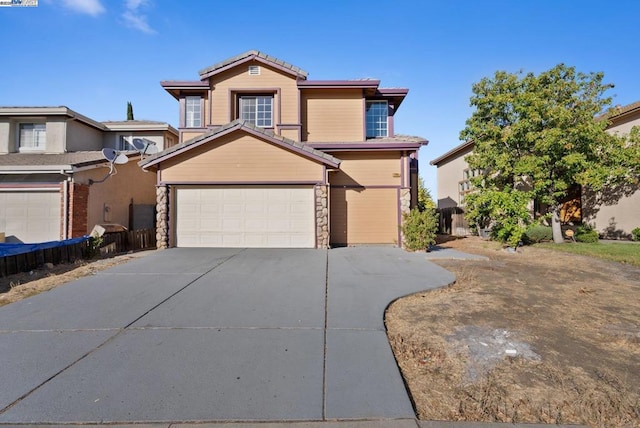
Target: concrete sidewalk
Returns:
[[214, 335]]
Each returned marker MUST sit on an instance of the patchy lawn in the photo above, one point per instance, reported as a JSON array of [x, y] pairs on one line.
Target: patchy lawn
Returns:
[[535, 336], [22, 285], [623, 252]]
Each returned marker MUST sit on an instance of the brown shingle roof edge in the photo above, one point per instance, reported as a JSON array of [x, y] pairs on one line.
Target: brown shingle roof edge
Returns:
[[73, 159], [252, 54], [452, 152], [238, 124]]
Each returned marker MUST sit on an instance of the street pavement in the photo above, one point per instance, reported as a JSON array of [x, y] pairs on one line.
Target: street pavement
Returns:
[[233, 336]]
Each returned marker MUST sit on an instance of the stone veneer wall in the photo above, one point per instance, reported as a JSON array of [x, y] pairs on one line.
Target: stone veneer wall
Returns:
[[162, 217], [405, 207], [322, 217]]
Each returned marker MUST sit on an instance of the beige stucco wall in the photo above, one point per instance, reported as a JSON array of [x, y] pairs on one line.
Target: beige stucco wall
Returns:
[[368, 169], [111, 138], [81, 137], [619, 216], [56, 134], [7, 137], [332, 116], [130, 182], [449, 176], [285, 102], [238, 157]]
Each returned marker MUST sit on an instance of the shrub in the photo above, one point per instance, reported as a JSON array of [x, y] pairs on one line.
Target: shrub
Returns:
[[538, 233], [419, 229], [586, 234], [635, 233]]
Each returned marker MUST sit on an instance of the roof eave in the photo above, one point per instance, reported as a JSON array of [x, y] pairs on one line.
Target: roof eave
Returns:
[[451, 153]]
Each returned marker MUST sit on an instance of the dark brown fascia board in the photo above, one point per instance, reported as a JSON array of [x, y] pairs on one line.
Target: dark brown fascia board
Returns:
[[299, 148], [253, 55], [387, 146], [338, 84], [51, 111], [452, 153], [174, 87], [618, 113]]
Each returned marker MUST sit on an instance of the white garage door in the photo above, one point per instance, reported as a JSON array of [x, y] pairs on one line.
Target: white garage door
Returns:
[[270, 217], [30, 216]]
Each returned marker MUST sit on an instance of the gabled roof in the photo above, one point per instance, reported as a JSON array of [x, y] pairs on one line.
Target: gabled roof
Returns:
[[53, 162], [453, 152], [50, 111], [300, 148], [139, 125], [251, 56], [619, 112]]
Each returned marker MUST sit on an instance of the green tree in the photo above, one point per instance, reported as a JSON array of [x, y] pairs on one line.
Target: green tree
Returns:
[[424, 196], [129, 110], [534, 137]]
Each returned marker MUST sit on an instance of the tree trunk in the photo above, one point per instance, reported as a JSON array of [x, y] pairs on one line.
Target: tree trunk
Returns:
[[555, 226]]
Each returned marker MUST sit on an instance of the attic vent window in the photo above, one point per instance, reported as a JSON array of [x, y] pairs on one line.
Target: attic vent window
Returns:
[[254, 70]]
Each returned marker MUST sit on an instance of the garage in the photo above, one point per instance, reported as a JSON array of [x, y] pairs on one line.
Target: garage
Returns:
[[245, 216], [30, 216], [362, 215]]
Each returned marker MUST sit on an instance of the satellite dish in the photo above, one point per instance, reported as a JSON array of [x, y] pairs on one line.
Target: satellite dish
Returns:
[[109, 154], [121, 159], [145, 146]]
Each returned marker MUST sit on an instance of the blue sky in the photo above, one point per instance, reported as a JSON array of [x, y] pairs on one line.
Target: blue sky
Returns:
[[95, 55]]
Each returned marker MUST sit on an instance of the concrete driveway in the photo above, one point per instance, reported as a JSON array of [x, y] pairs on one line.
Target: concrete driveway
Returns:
[[187, 335]]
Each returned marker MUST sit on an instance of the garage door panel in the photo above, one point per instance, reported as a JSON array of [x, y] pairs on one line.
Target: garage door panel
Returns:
[[31, 216], [245, 217], [364, 216]]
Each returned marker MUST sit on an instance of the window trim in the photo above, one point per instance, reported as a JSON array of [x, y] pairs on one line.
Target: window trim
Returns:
[[378, 123], [256, 96], [186, 111], [39, 148]]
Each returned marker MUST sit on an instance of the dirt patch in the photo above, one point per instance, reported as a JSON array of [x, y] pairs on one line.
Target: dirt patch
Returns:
[[532, 337], [20, 286]]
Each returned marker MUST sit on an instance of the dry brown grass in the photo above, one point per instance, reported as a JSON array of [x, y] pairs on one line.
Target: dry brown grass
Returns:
[[580, 317]]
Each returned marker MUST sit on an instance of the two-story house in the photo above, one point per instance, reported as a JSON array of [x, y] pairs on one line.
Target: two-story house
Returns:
[[270, 158], [53, 175]]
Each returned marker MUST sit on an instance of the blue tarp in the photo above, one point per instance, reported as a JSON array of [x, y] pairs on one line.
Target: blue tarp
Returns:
[[13, 249]]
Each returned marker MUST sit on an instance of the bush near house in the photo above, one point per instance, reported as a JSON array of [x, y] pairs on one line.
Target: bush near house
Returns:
[[538, 233], [586, 234], [635, 233], [419, 229]]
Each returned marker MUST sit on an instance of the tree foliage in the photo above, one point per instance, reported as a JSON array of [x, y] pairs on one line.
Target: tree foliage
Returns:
[[419, 229], [424, 196], [534, 137], [129, 110]]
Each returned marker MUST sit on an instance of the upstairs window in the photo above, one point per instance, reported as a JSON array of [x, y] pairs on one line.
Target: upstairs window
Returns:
[[376, 117], [32, 136], [257, 109], [193, 112]]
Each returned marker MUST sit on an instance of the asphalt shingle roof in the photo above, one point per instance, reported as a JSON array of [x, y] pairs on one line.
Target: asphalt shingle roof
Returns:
[[240, 124], [45, 159], [206, 72]]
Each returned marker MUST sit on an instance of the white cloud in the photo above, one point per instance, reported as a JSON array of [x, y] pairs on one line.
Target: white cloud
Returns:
[[90, 7], [134, 19]]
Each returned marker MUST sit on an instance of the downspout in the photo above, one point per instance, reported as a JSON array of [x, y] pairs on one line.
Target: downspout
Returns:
[[65, 221]]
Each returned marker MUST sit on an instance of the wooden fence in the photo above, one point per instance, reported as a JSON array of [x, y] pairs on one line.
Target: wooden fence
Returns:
[[452, 222], [24, 262], [112, 243]]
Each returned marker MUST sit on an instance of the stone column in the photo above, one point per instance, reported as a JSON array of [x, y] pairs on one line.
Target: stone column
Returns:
[[405, 207], [162, 217], [322, 217]]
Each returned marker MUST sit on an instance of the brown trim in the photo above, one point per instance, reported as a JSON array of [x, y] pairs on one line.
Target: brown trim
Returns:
[[339, 84], [403, 158], [239, 183], [251, 57], [355, 186], [399, 205], [232, 92], [390, 121], [34, 186], [452, 153], [336, 147]]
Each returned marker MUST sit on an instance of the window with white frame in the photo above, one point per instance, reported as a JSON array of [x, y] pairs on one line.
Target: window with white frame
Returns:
[[193, 112], [123, 143], [32, 136], [377, 119], [257, 109], [465, 186]]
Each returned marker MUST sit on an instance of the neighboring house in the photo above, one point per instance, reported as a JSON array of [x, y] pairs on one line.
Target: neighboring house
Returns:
[[51, 172], [268, 158], [617, 211], [614, 213]]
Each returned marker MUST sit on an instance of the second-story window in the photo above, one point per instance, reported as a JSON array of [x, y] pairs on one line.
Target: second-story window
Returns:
[[193, 112], [257, 109], [376, 117], [32, 136]]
